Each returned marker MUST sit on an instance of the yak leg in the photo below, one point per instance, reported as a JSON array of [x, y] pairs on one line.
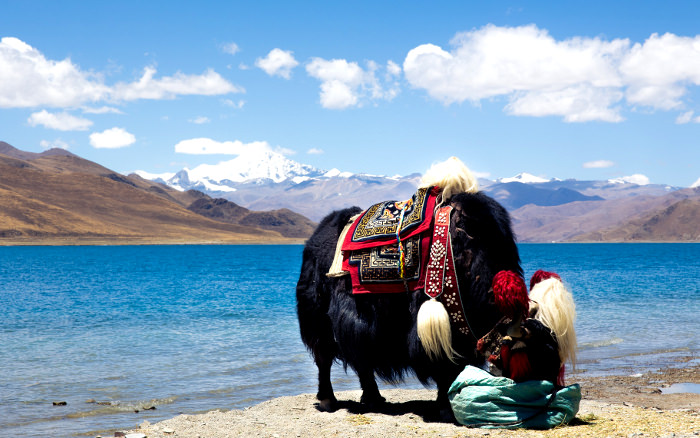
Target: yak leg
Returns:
[[444, 413], [324, 362], [370, 391]]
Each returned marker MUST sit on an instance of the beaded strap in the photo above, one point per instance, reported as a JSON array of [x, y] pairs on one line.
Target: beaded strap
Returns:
[[441, 279]]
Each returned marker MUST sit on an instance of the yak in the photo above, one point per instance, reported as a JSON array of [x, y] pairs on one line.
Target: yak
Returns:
[[379, 335]]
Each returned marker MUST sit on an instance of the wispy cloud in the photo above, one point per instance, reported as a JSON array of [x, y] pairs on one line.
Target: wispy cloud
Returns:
[[210, 83], [207, 146], [687, 117], [230, 48], [59, 121], [598, 164], [102, 110], [315, 151], [199, 120], [58, 143]]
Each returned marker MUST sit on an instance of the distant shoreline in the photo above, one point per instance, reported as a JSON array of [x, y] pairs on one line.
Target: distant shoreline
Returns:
[[144, 242], [286, 241]]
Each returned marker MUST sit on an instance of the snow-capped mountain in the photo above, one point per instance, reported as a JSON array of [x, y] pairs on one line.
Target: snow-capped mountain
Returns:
[[261, 166], [524, 177]]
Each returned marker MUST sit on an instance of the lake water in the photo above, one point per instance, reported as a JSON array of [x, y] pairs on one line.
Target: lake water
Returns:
[[112, 330]]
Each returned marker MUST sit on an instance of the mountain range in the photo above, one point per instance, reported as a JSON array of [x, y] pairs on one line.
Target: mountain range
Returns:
[[543, 210], [56, 196]]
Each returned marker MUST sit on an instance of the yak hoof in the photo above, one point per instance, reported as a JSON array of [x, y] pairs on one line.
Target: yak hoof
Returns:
[[328, 405], [372, 401]]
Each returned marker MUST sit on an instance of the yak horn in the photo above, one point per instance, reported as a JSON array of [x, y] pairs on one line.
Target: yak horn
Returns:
[[434, 332]]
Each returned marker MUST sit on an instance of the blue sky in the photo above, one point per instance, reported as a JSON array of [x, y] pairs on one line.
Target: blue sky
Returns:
[[585, 90]]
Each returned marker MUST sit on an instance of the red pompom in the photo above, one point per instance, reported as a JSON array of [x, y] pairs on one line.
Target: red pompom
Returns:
[[541, 275], [510, 294]]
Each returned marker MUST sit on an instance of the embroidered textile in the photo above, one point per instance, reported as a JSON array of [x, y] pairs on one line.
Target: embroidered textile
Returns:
[[378, 225], [377, 269]]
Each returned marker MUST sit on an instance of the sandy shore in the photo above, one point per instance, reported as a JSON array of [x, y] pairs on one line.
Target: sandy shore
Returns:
[[625, 406]]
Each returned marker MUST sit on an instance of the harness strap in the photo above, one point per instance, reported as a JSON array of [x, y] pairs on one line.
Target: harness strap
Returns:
[[441, 277]]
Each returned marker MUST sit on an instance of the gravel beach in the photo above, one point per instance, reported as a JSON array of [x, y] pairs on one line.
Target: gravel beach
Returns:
[[636, 405]]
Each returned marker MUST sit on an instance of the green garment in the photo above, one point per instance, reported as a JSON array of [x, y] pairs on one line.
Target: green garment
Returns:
[[479, 399]]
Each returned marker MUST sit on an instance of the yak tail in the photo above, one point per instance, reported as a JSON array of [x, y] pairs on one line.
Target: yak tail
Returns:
[[433, 324], [557, 311]]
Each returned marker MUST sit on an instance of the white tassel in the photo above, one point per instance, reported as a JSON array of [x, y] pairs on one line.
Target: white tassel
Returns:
[[434, 332], [557, 311]]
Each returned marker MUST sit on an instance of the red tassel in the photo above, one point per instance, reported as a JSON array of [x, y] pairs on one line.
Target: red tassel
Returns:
[[510, 294], [541, 275], [519, 366], [560, 377]]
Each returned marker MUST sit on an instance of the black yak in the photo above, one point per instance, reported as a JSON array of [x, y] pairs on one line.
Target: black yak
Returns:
[[378, 334]]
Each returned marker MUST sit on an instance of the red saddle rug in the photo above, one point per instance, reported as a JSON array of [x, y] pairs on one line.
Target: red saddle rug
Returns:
[[371, 252]]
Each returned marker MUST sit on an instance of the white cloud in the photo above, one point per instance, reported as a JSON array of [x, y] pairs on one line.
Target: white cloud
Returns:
[[315, 151], [102, 110], [344, 84], [206, 146], [599, 164], [393, 68], [231, 48], [659, 70], [59, 121], [687, 117], [278, 63], [28, 79], [231, 103], [695, 184], [684, 118], [112, 139], [575, 104], [199, 120], [58, 143], [209, 83], [579, 79]]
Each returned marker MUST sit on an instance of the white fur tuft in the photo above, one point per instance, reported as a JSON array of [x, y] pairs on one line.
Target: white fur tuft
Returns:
[[557, 311], [434, 330], [452, 176]]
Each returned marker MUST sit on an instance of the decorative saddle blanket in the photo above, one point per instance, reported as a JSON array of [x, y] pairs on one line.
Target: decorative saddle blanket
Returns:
[[378, 225], [371, 251]]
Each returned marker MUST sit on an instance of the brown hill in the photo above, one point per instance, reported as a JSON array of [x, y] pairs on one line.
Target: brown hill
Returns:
[[679, 222], [580, 221], [58, 197], [284, 221]]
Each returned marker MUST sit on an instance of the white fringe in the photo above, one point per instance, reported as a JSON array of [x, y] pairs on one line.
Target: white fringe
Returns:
[[557, 311], [336, 269], [434, 330], [452, 176]]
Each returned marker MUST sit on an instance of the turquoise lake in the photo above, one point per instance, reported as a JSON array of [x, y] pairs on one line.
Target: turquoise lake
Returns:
[[112, 330]]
